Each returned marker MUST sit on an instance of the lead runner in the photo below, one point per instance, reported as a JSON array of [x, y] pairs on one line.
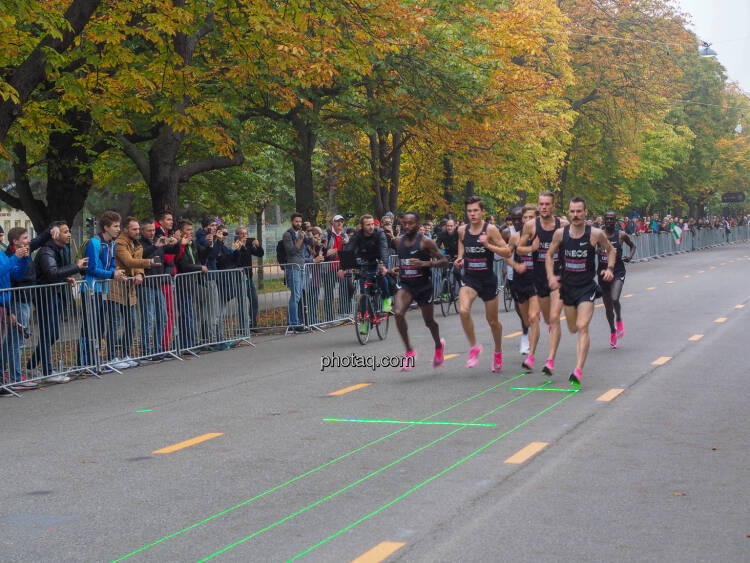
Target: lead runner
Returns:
[[577, 244]]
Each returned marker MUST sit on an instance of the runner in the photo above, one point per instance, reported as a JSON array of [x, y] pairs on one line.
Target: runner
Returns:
[[577, 243], [522, 287], [515, 218], [415, 251], [611, 290], [536, 237], [477, 242]]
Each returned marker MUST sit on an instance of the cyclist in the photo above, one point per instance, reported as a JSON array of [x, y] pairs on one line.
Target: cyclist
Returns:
[[447, 242], [417, 254], [370, 247]]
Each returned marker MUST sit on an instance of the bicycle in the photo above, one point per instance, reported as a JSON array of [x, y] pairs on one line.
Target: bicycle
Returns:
[[505, 287], [449, 291], [370, 313]]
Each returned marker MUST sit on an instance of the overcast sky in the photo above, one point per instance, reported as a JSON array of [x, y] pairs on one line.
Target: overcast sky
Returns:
[[726, 25]]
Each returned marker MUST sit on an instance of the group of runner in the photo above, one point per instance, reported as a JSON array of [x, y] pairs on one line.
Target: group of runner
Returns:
[[554, 265]]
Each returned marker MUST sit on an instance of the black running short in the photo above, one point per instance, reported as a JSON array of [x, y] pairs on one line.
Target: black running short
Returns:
[[486, 289], [522, 292], [421, 293], [574, 296]]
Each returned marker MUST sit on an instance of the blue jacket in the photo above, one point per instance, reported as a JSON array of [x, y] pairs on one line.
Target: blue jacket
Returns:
[[11, 268], [101, 257]]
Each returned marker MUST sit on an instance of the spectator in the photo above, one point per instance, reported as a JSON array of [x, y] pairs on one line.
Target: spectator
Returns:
[[154, 316], [164, 228], [20, 307], [188, 260], [16, 305], [230, 285], [207, 294], [314, 255], [100, 251], [243, 258], [334, 239], [293, 241], [630, 226], [129, 259], [53, 265], [3, 246]]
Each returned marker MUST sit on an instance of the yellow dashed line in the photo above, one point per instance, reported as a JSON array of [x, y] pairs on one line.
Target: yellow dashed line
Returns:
[[346, 390], [661, 360], [527, 452], [628, 295], [598, 305], [688, 276], [739, 306], [513, 334], [449, 356], [609, 395], [650, 288], [721, 320], [187, 443], [380, 552], [695, 337], [670, 281], [701, 271]]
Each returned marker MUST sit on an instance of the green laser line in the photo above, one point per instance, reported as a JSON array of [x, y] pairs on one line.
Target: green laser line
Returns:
[[355, 483], [144, 410], [311, 471], [406, 422], [543, 389], [425, 482]]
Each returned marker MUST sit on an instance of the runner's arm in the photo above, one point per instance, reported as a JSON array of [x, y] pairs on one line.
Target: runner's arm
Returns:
[[512, 245], [549, 261], [458, 262], [528, 233], [495, 242], [625, 238], [440, 259], [599, 237]]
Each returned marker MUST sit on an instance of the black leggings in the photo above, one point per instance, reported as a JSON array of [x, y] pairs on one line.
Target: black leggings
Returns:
[[611, 300]]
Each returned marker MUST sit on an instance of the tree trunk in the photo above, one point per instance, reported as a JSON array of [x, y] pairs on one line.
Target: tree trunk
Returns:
[[469, 188], [448, 179], [260, 223], [163, 172], [375, 174], [395, 172], [304, 189]]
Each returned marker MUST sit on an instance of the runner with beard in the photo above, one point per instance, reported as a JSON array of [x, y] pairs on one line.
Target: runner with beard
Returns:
[[577, 244]]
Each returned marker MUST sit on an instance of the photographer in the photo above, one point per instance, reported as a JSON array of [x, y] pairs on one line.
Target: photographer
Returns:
[[243, 258]]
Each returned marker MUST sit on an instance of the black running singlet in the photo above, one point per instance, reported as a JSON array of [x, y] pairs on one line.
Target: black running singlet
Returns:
[[478, 260], [619, 264], [527, 278], [578, 259], [540, 255], [406, 253]]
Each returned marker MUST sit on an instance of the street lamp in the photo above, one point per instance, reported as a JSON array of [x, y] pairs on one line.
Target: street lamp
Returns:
[[706, 50]]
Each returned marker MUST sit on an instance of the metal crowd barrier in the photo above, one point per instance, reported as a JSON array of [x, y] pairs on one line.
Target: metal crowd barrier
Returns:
[[41, 328], [655, 245], [212, 310], [129, 321], [327, 300], [274, 296]]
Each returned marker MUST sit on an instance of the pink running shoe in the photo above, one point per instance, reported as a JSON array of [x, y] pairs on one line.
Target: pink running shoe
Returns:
[[528, 363], [439, 358], [549, 367], [410, 360], [613, 341], [497, 362], [620, 330], [473, 360], [575, 377]]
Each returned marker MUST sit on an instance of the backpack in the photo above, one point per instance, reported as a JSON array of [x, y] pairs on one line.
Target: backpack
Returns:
[[281, 253]]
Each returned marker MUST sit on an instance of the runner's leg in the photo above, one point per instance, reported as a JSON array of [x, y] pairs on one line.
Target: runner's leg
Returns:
[[585, 312], [555, 308], [616, 291], [491, 314], [466, 296], [403, 300], [533, 322], [428, 315]]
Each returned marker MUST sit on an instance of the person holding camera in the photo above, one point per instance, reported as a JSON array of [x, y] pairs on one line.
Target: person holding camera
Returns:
[[243, 258]]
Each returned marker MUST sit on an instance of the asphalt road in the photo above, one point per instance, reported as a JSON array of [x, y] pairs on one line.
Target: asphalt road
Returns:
[[659, 473]]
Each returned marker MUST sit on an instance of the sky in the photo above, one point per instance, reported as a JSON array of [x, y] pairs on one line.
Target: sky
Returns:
[[726, 25]]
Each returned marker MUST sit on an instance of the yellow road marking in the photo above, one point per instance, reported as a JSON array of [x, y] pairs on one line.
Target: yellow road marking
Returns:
[[695, 337], [513, 334], [527, 452], [739, 306], [701, 271], [650, 288], [449, 356], [598, 305], [661, 360], [688, 276], [628, 295], [723, 264], [346, 390], [670, 281], [187, 443], [721, 320], [380, 552], [563, 318], [609, 395], [712, 268]]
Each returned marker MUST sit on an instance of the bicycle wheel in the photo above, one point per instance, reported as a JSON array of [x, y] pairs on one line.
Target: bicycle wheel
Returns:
[[362, 326], [507, 297], [445, 297], [381, 327]]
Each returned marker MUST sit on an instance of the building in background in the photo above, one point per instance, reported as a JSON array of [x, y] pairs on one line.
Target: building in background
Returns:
[[10, 218]]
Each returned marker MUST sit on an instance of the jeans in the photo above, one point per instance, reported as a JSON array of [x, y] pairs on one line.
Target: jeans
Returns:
[[49, 310], [252, 294], [153, 320], [94, 326], [11, 346], [294, 283], [186, 320], [207, 310]]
